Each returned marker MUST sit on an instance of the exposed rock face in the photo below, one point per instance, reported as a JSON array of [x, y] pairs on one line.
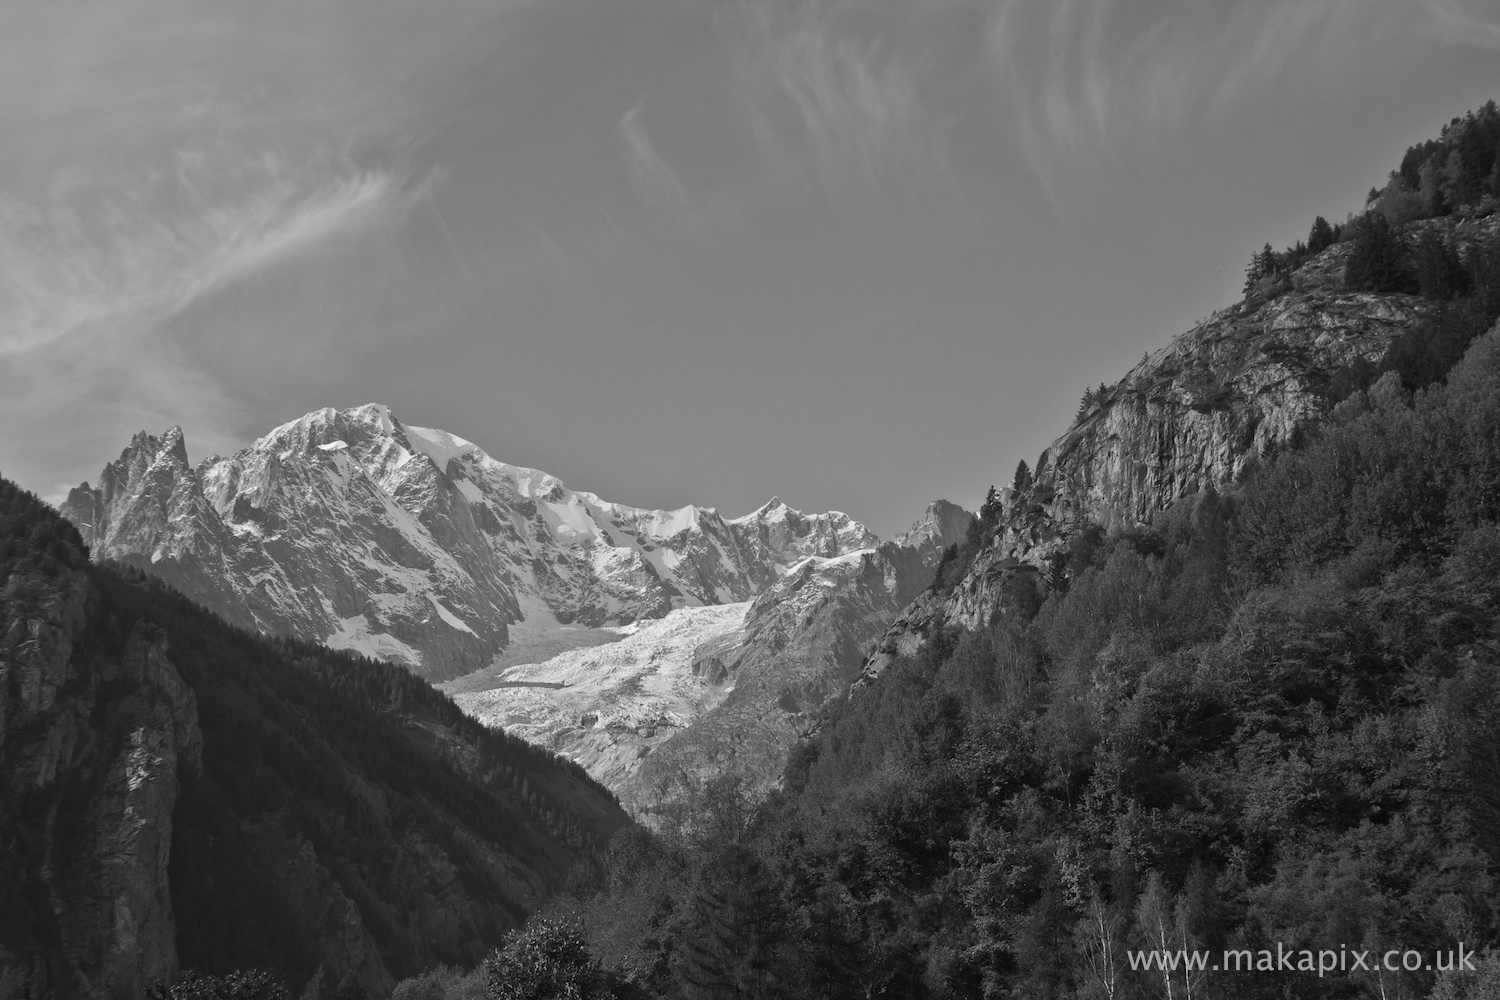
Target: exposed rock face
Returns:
[[90, 747], [413, 545], [1235, 388], [707, 694]]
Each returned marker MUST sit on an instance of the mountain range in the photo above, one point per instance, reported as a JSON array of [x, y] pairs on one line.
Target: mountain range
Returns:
[[349, 528], [412, 545]]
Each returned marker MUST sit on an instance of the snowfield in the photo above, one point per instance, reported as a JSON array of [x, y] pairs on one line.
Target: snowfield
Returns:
[[607, 706]]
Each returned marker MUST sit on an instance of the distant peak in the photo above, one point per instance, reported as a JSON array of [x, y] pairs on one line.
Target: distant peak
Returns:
[[171, 444], [324, 426], [376, 413], [175, 443], [947, 509], [943, 522]]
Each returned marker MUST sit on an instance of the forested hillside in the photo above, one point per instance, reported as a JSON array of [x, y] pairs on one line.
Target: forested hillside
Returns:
[[1270, 716], [303, 809], [1265, 717]]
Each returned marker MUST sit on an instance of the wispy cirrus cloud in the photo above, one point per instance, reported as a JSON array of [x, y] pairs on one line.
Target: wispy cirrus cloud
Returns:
[[162, 155], [1089, 77], [90, 282], [655, 182], [132, 258], [1454, 22], [835, 104]]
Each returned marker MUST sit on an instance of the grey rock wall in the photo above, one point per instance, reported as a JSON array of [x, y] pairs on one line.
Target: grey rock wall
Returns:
[[1233, 390], [90, 747]]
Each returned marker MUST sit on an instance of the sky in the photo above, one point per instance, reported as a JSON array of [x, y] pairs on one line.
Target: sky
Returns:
[[857, 254]]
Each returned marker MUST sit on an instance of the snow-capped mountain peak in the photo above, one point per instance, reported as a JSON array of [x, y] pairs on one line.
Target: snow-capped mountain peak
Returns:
[[412, 543]]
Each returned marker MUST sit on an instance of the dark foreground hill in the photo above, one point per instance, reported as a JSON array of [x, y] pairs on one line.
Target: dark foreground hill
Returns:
[[176, 793]]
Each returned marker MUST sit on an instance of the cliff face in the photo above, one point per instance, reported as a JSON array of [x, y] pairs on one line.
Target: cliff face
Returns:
[[90, 746], [348, 816], [1238, 385], [1235, 388]]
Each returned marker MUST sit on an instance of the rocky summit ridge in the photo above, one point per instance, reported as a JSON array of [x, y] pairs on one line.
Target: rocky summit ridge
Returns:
[[350, 528]]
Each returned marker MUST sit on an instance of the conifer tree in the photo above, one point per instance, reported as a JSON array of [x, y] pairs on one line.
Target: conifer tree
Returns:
[[990, 511], [1022, 482], [1441, 273], [1270, 263], [1263, 263], [733, 946], [1253, 273], [1320, 237], [1377, 263]]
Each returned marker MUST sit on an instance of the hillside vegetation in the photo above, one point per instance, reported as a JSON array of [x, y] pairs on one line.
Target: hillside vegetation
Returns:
[[1269, 717]]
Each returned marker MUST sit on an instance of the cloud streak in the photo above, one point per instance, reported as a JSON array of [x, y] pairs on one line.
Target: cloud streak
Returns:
[[124, 257], [1090, 77], [655, 182], [92, 278], [833, 107], [160, 154], [1452, 22]]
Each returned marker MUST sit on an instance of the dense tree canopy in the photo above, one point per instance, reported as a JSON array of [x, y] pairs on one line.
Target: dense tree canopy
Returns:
[[1270, 717]]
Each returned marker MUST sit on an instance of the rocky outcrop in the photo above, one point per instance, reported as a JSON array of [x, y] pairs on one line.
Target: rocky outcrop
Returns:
[[91, 743], [1233, 390], [413, 545], [1238, 386]]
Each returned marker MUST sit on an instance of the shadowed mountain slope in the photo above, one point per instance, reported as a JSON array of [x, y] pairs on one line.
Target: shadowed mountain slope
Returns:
[[181, 793]]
